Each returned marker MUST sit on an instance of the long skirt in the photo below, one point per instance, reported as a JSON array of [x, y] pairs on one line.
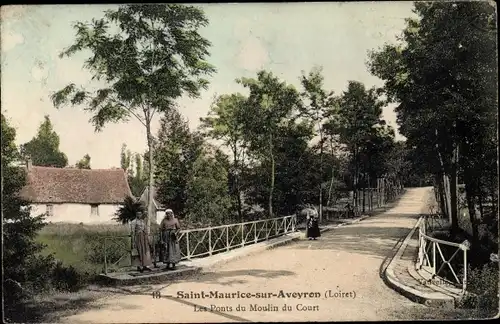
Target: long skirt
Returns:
[[313, 229], [142, 244], [171, 250]]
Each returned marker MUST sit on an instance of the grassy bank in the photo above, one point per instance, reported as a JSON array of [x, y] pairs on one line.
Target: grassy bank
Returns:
[[80, 246]]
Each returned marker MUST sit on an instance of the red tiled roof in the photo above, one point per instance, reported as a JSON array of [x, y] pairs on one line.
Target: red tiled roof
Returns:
[[71, 185]]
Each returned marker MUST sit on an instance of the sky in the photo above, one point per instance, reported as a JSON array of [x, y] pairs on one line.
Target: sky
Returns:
[[284, 38]]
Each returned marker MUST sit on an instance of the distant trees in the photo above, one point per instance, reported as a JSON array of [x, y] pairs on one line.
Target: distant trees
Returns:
[[225, 122], [133, 165], [359, 126], [84, 163], [321, 104], [43, 149], [271, 105]]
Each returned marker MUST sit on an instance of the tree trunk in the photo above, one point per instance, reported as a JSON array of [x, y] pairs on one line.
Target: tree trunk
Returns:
[[332, 179], [364, 191], [321, 176], [1, 171], [480, 198], [453, 195], [271, 189], [441, 196], [150, 202], [355, 177], [471, 206], [370, 200], [237, 183]]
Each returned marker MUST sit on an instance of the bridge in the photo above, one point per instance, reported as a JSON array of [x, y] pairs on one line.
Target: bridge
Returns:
[[337, 278]]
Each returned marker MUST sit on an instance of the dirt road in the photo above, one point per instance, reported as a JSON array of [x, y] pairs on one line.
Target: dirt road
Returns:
[[340, 274]]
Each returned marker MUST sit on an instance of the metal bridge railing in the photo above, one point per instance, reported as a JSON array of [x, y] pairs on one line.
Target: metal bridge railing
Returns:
[[435, 254], [201, 242], [118, 251]]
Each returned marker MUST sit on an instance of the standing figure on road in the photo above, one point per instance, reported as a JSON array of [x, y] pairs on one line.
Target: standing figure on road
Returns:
[[169, 228], [142, 242], [312, 225]]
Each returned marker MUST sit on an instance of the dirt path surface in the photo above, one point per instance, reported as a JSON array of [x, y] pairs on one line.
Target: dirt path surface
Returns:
[[346, 261]]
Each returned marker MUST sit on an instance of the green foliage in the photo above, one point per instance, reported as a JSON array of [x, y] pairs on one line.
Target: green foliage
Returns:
[[176, 151], [357, 124], [482, 286], [133, 165], [68, 278], [23, 267], [128, 210], [271, 104], [43, 149], [84, 163], [225, 123], [207, 189], [156, 56]]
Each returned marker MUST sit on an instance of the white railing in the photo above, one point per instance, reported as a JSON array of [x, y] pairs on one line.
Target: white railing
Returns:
[[210, 240], [430, 255]]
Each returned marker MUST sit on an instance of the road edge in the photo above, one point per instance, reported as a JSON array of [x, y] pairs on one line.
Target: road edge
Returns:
[[411, 293]]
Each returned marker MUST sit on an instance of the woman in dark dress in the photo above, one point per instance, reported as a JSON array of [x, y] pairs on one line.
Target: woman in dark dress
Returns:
[[142, 243], [169, 229], [312, 226]]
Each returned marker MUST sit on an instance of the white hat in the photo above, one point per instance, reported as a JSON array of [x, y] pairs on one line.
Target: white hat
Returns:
[[169, 211]]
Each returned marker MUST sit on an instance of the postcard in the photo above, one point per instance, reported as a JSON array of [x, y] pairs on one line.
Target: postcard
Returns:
[[249, 162]]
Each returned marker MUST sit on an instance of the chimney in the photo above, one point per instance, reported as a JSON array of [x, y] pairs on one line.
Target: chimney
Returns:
[[29, 163]]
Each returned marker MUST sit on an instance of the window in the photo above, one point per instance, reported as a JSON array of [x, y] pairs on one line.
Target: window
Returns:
[[50, 210], [94, 210]]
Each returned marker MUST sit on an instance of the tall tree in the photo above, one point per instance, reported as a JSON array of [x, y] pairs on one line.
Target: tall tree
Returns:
[[84, 163], [176, 151], [24, 270], [359, 115], [224, 122], [271, 102], [148, 56], [43, 149], [125, 158], [208, 197], [320, 106]]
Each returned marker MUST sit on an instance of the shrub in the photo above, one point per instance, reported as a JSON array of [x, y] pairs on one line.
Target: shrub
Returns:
[[482, 288], [68, 278]]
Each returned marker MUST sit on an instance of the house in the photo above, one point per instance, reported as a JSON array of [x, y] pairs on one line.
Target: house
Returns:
[[158, 209], [73, 195]]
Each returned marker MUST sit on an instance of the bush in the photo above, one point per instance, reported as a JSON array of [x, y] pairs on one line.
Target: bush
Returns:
[[482, 288], [68, 278]]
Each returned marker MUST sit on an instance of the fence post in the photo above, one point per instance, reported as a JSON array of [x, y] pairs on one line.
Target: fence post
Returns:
[[105, 259], [433, 259], [187, 246], [255, 231], [276, 227], [267, 233], [464, 282], [242, 235], [227, 238], [210, 241]]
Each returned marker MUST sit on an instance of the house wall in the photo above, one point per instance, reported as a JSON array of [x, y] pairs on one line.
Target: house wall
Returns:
[[77, 213]]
